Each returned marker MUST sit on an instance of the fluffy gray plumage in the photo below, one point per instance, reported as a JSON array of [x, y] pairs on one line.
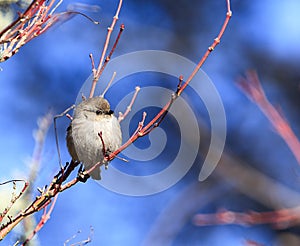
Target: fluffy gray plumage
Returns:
[[91, 117]]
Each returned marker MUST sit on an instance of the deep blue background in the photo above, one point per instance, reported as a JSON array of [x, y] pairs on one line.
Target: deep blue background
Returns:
[[49, 71]]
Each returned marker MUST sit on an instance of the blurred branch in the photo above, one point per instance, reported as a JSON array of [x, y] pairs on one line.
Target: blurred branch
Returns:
[[29, 223], [35, 162], [35, 20], [251, 86], [236, 174], [83, 242], [279, 219], [27, 26], [180, 209], [14, 196], [270, 192]]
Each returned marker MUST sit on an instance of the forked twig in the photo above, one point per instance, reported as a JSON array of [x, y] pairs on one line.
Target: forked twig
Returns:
[[44, 199], [122, 116], [107, 59], [97, 71]]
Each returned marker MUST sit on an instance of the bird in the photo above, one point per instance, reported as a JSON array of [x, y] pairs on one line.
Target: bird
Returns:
[[93, 118]]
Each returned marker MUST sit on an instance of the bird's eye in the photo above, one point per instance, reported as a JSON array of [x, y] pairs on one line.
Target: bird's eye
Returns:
[[98, 112]]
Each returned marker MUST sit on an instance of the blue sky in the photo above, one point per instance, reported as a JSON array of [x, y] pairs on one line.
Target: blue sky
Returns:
[[49, 71]]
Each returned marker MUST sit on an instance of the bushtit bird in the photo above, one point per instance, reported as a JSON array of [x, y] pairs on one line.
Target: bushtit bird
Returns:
[[91, 117]]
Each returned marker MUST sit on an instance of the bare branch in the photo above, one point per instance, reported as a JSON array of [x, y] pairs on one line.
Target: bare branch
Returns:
[[35, 20], [251, 86], [55, 131], [108, 85], [280, 219], [14, 197], [83, 242], [106, 43], [160, 116], [122, 116], [42, 222]]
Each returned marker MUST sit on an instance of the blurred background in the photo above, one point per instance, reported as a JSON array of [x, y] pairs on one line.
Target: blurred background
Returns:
[[257, 172]]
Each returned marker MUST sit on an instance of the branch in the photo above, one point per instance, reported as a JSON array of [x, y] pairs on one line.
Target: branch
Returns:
[[44, 219], [97, 72], [122, 116], [35, 20], [14, 197], [44, 199], [280, 219], [251, 86], [180, 88], [83, 242]]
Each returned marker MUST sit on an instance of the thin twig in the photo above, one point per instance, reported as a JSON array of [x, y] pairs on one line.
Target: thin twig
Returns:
[[96, 73], [122, 116], [44, 219], [107, 59], [56, 134], [210, 48], [109, 84], [14, 197], [103, 149]]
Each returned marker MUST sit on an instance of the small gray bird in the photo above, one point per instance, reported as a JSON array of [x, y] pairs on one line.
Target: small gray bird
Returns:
[[91, 117]]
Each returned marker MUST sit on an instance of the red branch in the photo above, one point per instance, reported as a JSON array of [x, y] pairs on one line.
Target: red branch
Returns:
[[35, 20], [280, 219], [251, 86], [122, 116], [97, 72], [42, 222], [28, 26], [159, 117]]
